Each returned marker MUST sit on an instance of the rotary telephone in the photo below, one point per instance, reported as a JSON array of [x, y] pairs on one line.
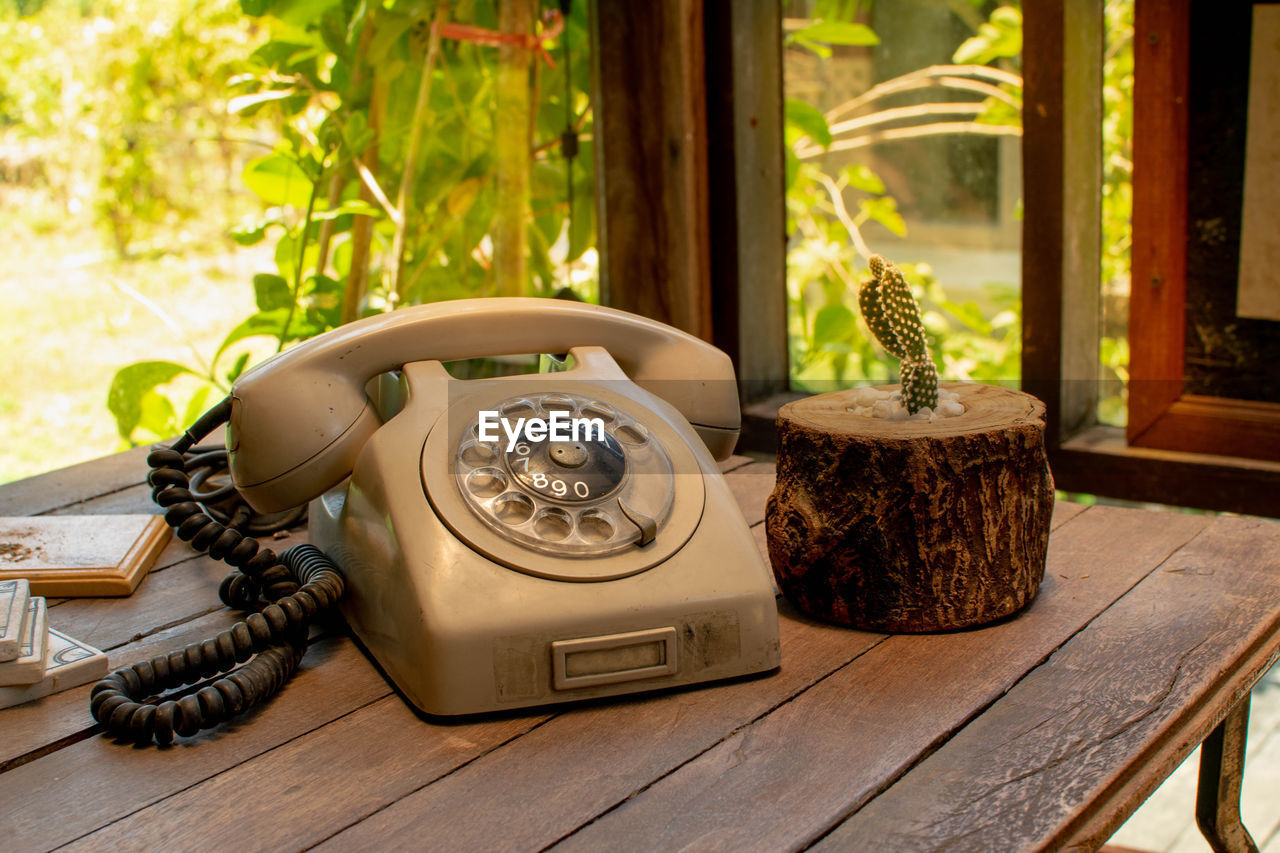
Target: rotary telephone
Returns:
[[493, 544]]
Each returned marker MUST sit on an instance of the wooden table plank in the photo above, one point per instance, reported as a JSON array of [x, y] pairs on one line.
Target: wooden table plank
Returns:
[[785, 780], [751, 485], [313, 786], [165, 597], [638, 737], [131, 499], [63, 716], [541, 787], [1063, 512], [66, 486], [1131, 689], [94, 782]]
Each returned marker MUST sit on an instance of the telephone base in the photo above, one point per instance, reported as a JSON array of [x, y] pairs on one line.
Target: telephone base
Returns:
[[463, 624], [538, 641]]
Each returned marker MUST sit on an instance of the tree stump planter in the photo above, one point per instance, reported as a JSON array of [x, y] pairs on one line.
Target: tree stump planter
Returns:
[[909, 525]]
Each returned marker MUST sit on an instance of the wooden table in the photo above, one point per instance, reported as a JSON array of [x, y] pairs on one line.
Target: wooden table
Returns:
[[1044, 731]]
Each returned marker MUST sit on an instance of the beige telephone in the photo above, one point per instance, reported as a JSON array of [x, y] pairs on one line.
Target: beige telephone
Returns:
[[523, 540]]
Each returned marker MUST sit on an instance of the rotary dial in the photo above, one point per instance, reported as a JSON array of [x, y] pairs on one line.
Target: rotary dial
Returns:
[[565, 474]]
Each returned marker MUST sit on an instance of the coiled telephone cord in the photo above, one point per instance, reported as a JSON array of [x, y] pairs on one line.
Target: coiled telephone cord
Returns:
[[287, 591]]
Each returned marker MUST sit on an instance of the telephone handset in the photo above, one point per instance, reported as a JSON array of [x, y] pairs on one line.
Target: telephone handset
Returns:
[[300, 448], [503, 543]]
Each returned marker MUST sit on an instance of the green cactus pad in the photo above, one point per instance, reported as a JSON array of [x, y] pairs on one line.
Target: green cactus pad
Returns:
[[870, 301], [893, 316]]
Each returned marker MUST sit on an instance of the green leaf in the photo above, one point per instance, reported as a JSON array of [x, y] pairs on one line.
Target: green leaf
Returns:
[[999, 38], [131, 385], [885, 211], [352, 207], [834, 325], [236, 369], [246, 103], [250, 235], [809, 119], [256, 8], [838, 32], [970, 314], [816, 47], [302, 13], [333, 30], [158, 416], [277, 179], [271, 291], [286, 255], [862, 178], [995, 111], [792, 167], [269, 324], [197, 404], [323, 300], [390, 27]]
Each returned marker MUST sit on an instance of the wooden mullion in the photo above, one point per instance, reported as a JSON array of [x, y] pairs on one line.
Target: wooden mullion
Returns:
[[651, 150], [1157, 302], [1042, 228], [746, 174]]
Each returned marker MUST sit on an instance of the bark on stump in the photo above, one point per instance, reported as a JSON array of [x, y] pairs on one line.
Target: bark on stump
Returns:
[[910, 525]]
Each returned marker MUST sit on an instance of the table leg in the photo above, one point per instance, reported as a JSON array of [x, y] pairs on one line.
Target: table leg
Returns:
[[1221, 775]]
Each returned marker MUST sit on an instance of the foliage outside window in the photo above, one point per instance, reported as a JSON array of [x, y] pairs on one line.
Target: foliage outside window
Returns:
[[424, 151], [841, 198]]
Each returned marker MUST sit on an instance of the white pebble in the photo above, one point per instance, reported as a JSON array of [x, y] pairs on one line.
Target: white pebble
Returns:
[[887, 405]]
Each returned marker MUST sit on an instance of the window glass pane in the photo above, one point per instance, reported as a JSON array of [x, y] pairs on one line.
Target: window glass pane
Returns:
[[903, 137], [1117, 208]]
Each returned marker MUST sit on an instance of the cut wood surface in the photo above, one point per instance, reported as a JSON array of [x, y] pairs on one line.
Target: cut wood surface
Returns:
[[924, 525], [1146, 628]]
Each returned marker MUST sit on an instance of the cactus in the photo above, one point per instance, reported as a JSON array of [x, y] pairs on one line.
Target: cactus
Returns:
[[891, 312]]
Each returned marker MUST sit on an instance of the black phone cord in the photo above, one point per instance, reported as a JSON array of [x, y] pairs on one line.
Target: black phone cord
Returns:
[[287, 591]]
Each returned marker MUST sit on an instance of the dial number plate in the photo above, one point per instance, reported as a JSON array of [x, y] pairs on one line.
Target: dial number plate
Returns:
[[602, 490], [573, 471]]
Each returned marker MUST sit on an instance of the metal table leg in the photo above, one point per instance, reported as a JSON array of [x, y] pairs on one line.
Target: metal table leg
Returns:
[[1221, 775]]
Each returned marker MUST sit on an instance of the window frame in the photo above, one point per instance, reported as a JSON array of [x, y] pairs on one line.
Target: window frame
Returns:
[[1061, 290]]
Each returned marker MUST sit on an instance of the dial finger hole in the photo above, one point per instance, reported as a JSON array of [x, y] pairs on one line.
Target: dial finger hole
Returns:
[[595, 526], [601, 411], [556, 403], [476, 455], [631, 434], [513, 508], [553, 523], [518, 409], [487, 482]]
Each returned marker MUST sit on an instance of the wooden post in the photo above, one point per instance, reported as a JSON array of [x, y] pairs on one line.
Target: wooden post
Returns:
[[746, 174], [651, 148], [911, 525]]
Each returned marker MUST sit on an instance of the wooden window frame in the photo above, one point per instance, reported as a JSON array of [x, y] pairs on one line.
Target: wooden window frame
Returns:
[[1061, 130], [689, 156], [1161, 413], [692, 229]]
